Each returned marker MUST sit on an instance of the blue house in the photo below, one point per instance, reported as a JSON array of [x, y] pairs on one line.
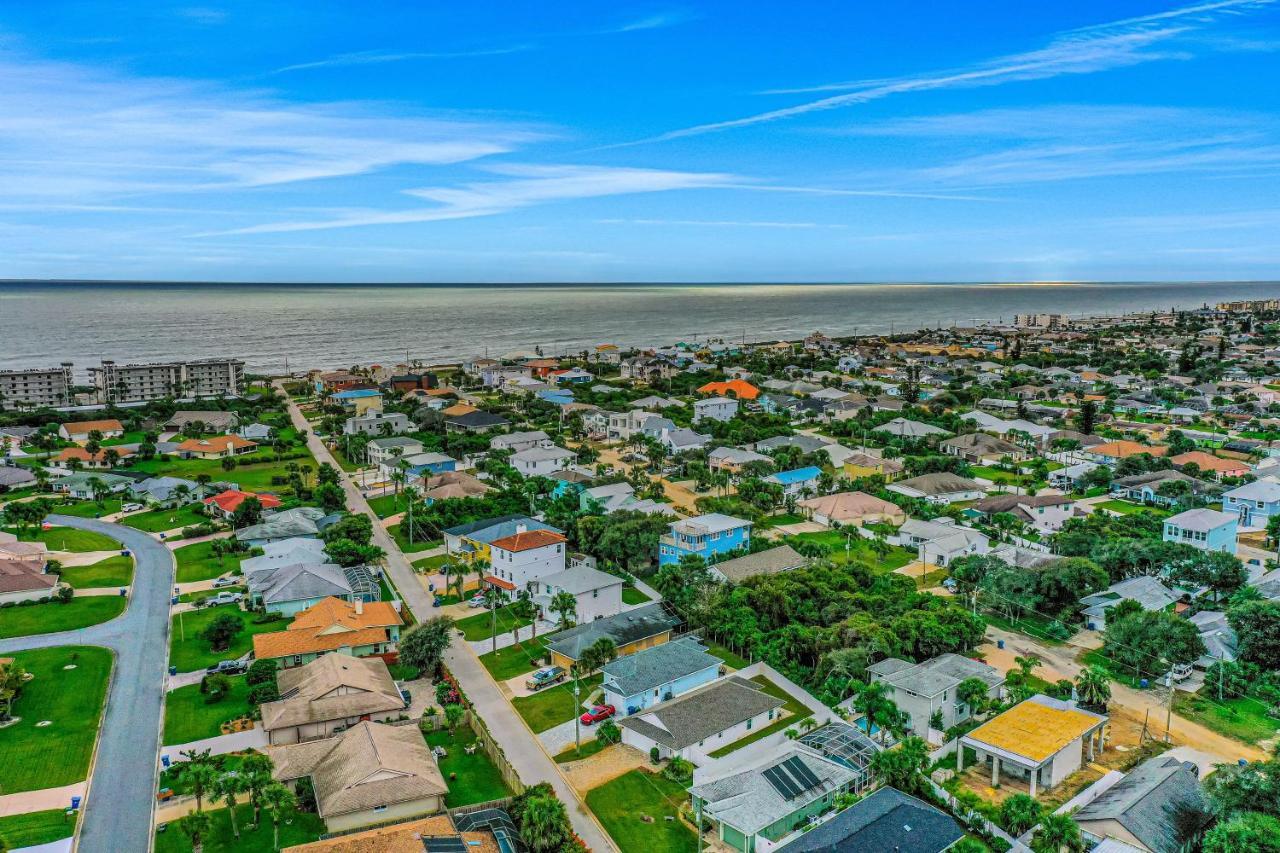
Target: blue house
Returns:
[[429, 463], [703, 535], [1206, 529], [557, 397], [635, 682], [1253, 503], [796, 481]]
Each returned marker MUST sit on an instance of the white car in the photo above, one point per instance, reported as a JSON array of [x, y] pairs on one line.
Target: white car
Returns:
[[130, 507], [477, 601], [223, 598], [221, 582]]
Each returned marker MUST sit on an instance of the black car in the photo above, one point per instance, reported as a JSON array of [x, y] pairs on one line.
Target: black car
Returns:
[[227, 667]]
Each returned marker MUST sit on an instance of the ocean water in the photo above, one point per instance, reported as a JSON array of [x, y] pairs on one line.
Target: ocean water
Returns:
[[330, 326]]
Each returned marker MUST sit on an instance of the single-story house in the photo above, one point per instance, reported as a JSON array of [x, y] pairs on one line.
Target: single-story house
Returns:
[[703, 720], [292, 523], [941, 541], [940, 488], [225, 503], [210, 421], [1042, 740], [1138, 811], [474, 421], [886, 820], [331, 692], [68, 456], [292, 588], [852, 508], [1215, 464], [79, 485], [1144, 589], [164, 491], [906, 428], [25, 580], [783, 558], [216, 447], [982, 449], [79, 432], [1047, 513], [650, 677]]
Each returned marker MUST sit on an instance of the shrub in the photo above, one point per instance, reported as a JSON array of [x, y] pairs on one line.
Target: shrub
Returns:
[[654, 757], [261, 671], [264, 692], [215, 688]]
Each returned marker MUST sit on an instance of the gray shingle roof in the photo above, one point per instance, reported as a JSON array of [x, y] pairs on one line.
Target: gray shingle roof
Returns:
[[941, 673], [1143, 802], [625, 627], [697, 715], [770, 562], [651, 668], [886, 820]]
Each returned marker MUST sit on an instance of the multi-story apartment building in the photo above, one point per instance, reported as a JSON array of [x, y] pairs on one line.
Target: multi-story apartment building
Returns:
[[127, 383], [49, 386]]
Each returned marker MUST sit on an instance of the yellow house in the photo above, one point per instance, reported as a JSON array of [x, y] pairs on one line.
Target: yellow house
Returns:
[[630, 631], [358, 401], [865, 465]]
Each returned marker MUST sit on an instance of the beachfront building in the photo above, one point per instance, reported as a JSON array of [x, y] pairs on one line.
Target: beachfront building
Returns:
[[132, 383], [35, 387]]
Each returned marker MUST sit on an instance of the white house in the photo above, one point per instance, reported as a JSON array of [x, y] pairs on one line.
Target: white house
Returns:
[[516, 561], [941, 541], [387, 451], [703, 720], [518, 441], [715, 408], [542, 461], [923, 689], [599, 594], [939, 488]]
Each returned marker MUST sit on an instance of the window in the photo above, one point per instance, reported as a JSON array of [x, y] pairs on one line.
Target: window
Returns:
[[377, 809], [749, 722]]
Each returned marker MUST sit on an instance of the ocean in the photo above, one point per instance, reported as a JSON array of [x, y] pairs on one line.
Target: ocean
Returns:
[[330, 326]]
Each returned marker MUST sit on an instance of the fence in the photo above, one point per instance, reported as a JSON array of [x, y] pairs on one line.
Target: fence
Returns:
[[490, 746]]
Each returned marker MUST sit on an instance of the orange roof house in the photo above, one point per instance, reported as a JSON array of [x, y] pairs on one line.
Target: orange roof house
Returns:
[[230, 500], [88, 460], [216, 447], [528, 540], [333, 625], [1125, 449], [80, 430], [739, 388], [458, 410], [1209, 462]]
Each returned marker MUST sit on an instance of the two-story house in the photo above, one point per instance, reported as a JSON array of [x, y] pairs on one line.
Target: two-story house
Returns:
[[516, 561], [1206, 529], [715, 408], [923, 689], [1253, 503], [542, 461], [648, 677], [704, 536]]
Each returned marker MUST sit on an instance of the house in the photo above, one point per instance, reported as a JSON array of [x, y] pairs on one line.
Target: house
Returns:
[[69, 457], [388, 451], [1219, 638], [885, 820], [225, 503], [377, 422], [852, 508], [358, 401], [1072, 476], [255, 432], [1113, 452], [471, 541], [921, 689], [354, 628], [216, 447], [715, 408], [81, 485], [1041, 741], [774, 561], [475, 421], [941, 541], [1214, 464], [619, 497], [541, 461], [703, 720], [905, 428], [1046, 513], [79, 432], [754, 806], [644, 369], [1254, 503], [1206, 529], [290, 589], [1138, 811], [733, 459], [682, 440], [739, 389], [330, 692], [370, 773], [939, 488], [165, 491], [865, 465], [516, 561], [474, 832], [982, 449], [519, 441], [704, 536], [631, 631], [452, 484], [13, 477], [211, 421], [797, 481], [647, 678], [25, 579], [421, 464], [1144, 589], [302, 521], [1145, 487], [598, 594], [285, 552]]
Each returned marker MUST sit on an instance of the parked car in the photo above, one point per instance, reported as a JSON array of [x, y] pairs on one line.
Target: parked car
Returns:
[[227, 667], [223, 598], [221, 582], [478, 600], [130, 507], [545, 678], [1180, 671], [598, 713]]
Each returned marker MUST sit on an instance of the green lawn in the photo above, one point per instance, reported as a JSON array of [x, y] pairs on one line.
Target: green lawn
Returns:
[[67, 539], [50, 618], [860, 550], [33, 757], [157, 520], [632, 595], [480, 626], [733, 659], [385, 506], [1243, 719], [89, 509], [113, 571], [172, 777], [1033, 625], [193, 653], [430, 565], [1127, 508], [995, 475], [301, 828], [253, 472], [193, 597], [796, 710], [623, 805], [512, 661], [402, 540], [554, 705], [188, 718], [471, 778], [196, 562], [28, 830]]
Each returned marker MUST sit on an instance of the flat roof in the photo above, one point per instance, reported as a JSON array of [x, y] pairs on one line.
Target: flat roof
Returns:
[[1036, 729]]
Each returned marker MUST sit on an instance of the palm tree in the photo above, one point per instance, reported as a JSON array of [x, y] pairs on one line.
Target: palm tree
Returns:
[[541, 828], [1093, 687], [256, 770], [197, 826], [277, 800], [521, 609], [565, 605], [12, 676], [228, 788], [201, 776], [1058, 833]]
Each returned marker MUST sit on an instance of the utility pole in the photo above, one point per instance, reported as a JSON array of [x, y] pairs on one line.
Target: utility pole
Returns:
[[577, 717]]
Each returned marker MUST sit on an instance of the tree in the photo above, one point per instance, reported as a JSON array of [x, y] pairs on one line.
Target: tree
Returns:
[[228, 789], [197, 826], [12, 677], [278, 800], [330, 497], [248, 513], [453, 715], [1149, 642], [1251, 831], [1087, 417], [221, 630], [424, 646], [565, 605], [1058, 833], [347, 553], [256, 770], [523, 610], [543, 823], [903, 768], [1019, 813], [608, 732], [973, 693], [1257, 625], [201, 777], [873, 701], [1216, 570], [597, 655], [1093, 687]]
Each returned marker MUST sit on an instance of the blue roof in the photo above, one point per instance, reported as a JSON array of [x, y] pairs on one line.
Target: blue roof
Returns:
[[799, 475], [354, 393]]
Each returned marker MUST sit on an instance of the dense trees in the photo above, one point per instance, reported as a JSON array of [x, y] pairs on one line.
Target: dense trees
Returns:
[[424, 646], [1149, 642]]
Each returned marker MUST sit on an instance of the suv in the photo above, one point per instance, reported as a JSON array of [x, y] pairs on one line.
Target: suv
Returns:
[[227, 667], [223, 598], [545, 678], [130, 507]]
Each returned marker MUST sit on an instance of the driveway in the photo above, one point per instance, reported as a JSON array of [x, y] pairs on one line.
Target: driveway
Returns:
[[117, 809], [521, 746], [559, 738]]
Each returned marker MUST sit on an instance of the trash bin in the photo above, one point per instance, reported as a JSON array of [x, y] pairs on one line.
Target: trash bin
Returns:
[[164, 762], [1143, 684], [999, 644], [173, 670], [75, 803], [124, 590]]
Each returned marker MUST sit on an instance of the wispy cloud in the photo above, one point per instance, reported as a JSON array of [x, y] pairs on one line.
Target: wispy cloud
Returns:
[[380, 57], [206, 15], [723, 223], [656, 21], [1088, 50]]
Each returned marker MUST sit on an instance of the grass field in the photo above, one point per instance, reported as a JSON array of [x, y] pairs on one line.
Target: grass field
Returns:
[[860, 550], [402, 540], [512, 661], [430, 565], [33, 757], [253, 472], [67, 539], [623, 805], [571, 753], [55, 616], [480, 626], [995, 475], [732, 658], [1127, 508], [188, 718], [1033, 626], [89, 509], [301, 828], [796, 710], [471, 778], [554, 705], [385, 506], [196, 562], [157, 520], [28, 830], [193, 653], [1243, 719], [631, 595], [113, 571]]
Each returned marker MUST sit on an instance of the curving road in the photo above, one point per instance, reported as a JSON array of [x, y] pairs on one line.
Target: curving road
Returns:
[[118, 806]]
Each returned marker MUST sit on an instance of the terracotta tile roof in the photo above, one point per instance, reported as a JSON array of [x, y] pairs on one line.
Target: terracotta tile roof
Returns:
[[215, 444], [1125, 449], [459, 409], [1209, 462], [528, 540], [229, 500], [400, 838], [334, 611], [83, 455], [279, 644], [739, 388], [86, 427]]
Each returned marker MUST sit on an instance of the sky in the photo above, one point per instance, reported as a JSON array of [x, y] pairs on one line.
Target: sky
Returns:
[[602, 142]]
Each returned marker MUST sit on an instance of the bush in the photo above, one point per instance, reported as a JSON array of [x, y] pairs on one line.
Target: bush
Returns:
[[678, 770], [264, 692], [215, 688], [654, 756], [261, 671], [609, 732]]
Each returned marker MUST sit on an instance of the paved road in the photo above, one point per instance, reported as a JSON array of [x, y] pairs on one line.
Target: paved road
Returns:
[[117, 810], [521, 746]]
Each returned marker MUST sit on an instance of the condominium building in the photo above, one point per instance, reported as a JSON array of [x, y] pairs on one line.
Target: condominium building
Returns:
[[126, 383], [50, 386]]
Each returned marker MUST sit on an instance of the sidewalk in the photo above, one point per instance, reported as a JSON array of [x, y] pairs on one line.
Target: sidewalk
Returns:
[[41, 800], [255, 738]]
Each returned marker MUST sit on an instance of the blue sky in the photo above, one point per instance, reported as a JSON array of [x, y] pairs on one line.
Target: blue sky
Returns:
[[800, 141]]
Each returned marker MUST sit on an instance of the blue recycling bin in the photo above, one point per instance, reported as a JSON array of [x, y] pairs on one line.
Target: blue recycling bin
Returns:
[[1143, 684], [173, 670], [164, 762], [999, 644], [75, 803], [124, 590]]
